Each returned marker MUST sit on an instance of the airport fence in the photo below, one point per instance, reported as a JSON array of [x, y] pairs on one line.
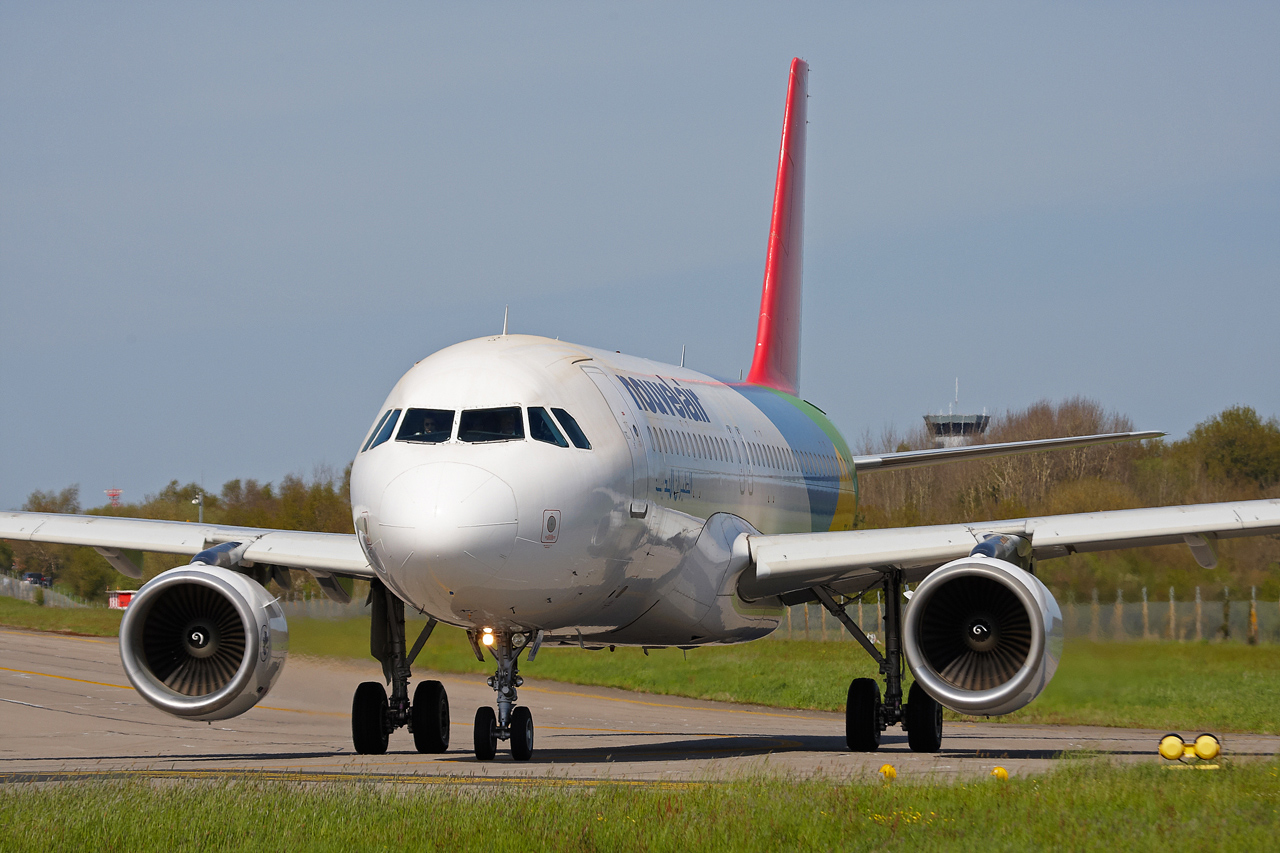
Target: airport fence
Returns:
[[300, 605], [305, 605], [1222, 615], [15, 588]]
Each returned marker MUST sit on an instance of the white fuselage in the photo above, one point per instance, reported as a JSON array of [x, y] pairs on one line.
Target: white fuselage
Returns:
[[612, 543]]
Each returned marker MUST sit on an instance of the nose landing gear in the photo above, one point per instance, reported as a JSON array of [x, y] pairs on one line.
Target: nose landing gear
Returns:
[[374, 716], [511, 722]]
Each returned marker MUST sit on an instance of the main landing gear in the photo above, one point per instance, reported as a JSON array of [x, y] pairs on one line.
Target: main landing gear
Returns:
[[511, 722], [374, 716], [866, 715]]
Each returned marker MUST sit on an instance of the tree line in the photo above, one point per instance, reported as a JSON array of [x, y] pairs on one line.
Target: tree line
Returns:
[[1234, 455], [321, 503]]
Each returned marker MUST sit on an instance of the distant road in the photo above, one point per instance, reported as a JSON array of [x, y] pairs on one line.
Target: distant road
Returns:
[[69, 712]]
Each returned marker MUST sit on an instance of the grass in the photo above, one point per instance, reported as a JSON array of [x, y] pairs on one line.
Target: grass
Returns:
[[1083, 806], [91, 621], [1172, 686], [1178, 687]]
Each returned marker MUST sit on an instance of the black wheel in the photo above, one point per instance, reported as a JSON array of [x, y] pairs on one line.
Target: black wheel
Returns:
[[924, 721], [486, 735], [369, 719], [430, 715], [521, 734], [862, 715]]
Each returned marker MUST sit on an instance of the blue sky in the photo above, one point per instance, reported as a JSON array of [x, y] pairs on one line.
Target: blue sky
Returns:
[[226, 231]]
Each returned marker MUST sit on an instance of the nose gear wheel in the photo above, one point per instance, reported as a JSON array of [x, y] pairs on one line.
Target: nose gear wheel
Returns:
[[511, 722]]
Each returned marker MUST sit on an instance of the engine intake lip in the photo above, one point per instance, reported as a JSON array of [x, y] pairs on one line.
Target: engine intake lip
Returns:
[[134, 642], [1019, 677]]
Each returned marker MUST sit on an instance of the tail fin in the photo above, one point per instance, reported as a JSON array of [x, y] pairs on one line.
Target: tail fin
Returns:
[[777, 358]]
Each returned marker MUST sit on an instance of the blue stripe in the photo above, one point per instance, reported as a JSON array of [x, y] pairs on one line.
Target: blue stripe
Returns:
[[801, 434]]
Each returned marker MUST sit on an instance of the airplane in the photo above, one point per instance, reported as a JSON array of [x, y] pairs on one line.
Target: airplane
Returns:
[[533, 492]]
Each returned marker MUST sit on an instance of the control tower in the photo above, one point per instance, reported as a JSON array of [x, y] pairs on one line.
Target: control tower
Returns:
[[955, 430]]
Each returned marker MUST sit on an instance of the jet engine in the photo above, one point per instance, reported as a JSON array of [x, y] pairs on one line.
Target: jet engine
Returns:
[[982, 636], [202, 642]]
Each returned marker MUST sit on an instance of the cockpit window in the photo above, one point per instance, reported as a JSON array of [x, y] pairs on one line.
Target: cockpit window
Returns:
[[426, 426], [542, 428], [384, 431], [478, 425], [374, 432], [571, 427]]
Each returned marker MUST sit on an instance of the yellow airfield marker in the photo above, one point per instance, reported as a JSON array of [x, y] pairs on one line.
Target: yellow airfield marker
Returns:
[[1000, 773], [1188, 755], [887, 771]]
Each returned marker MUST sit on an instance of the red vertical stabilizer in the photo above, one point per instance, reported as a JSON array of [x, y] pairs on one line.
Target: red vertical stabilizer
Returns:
[[777, 358]]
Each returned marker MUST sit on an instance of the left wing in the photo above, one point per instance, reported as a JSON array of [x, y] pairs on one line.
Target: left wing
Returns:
[[939, 455], [319, 553], [853, 559]]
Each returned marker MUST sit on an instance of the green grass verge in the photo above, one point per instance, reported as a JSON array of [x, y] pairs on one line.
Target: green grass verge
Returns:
[[1083, 806], [1173, 686], [1179, 687], [93, 621]]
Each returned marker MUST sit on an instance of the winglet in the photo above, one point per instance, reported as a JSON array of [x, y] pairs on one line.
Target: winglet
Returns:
[[776, 362]]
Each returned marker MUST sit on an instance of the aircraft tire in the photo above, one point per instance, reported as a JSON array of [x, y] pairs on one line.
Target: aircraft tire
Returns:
[[924, 721], [486, 734], [430, 714], [521, 734], [862, 715], [369, 719]]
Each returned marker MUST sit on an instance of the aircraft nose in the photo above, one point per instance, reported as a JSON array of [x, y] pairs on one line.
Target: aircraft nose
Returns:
[[458, 520]]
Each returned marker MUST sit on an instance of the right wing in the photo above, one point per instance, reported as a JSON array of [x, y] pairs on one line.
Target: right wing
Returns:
[[320, 553], [854, 559]]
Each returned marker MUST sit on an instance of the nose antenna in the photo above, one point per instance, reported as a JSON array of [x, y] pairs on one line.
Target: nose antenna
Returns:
[[504, 319]]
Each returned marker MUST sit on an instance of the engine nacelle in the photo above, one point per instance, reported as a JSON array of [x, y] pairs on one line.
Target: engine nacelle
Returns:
[[203, 643], [982, 636]]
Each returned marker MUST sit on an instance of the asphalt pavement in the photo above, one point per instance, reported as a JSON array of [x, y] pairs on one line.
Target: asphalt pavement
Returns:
[[67, 711]]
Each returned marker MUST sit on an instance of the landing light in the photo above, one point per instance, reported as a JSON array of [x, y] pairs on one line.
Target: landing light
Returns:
[[487, 637]]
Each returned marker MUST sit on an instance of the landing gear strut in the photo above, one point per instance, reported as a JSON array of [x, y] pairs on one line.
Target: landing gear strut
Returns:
[[511, 722], [866, 715], [374, 715]]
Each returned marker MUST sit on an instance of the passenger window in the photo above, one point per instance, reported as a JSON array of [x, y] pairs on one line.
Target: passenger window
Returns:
[[481, 425], [374, 432], [572, 429], [426, 426], [542, 428], [388, 426]]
